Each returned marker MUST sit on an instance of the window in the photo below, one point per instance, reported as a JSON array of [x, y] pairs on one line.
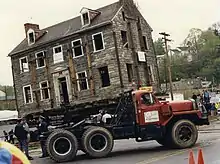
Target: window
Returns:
[[130, 72], [123, 15], [150, 71], [82, 81], [85, 19], [24, 64], [124, 38], [145, 43], [57, 54], [104, 76], [98, 42], [44, 90], [77, 48], [28, 97], [40, 61], [31, 36], [147, 99]]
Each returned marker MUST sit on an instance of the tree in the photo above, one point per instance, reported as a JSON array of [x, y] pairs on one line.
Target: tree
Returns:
[[9, 90], [159, 46], [203, 47]]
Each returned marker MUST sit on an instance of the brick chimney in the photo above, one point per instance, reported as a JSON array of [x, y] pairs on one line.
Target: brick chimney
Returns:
[[34, 27], [126, 1]]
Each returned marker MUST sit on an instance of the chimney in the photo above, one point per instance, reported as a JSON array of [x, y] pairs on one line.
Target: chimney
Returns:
[[34, 27], [126, 1]]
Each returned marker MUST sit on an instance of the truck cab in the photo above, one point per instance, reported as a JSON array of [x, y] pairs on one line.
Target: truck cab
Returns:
[[150, 110]]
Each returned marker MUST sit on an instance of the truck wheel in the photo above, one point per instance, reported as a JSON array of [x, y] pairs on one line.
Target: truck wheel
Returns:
[[184, 134], [97, 142], [62, 146]]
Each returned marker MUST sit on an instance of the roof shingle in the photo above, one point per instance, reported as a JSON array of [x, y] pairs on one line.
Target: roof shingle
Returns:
[[69, 27]]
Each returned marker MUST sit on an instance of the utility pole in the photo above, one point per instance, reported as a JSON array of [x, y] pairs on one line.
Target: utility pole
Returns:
[[165, 35]]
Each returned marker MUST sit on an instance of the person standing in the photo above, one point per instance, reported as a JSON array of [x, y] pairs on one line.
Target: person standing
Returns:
[[43, 127], [194, 97], [11, 136], [22, 135], [6, 135], [206, 96]]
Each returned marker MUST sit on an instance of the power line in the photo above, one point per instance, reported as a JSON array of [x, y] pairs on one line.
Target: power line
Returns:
[[165, 35]]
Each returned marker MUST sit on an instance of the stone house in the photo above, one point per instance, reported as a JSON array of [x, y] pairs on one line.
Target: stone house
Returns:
[[91, 57]]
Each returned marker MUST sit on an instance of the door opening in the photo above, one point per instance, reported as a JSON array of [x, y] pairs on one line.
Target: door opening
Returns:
[[64, 97]]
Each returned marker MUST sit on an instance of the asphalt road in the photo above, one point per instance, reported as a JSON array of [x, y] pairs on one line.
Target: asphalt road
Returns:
[[130, 152]]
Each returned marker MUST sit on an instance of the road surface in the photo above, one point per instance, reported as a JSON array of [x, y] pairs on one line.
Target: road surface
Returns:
[[130, 152]]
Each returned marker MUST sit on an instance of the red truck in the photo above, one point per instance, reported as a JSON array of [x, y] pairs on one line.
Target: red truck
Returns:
[[138, 115]]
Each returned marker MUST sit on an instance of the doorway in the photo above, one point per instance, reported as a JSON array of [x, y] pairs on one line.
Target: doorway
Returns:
[[64, 96]]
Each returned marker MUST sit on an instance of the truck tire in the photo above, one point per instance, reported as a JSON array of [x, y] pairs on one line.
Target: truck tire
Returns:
[[184, 134], [62, 146], [97, 142]]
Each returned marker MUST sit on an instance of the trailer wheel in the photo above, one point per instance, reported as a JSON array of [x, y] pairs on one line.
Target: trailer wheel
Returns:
[[97, 142], [62, 146], [184, 134]]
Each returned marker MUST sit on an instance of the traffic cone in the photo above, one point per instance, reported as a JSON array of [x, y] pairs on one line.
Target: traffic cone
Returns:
[[200, 157], [191, 157]]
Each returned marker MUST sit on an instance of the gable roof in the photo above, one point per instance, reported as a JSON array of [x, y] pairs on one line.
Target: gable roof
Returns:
[[69, 27]]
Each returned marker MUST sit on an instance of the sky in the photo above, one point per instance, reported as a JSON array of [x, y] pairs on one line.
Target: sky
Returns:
[[175, 17]]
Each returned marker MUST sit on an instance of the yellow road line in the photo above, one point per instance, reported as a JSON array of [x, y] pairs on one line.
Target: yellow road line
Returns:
[[162, 157], [167, 155]]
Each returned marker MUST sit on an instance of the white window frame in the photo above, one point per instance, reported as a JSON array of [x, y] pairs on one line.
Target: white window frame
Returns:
[[152, 73], [74, 56], [32, 100], [41, 93], [22, 65], [93, 41], [77, 77], [28, 32], [82, 20], [60, 53], [37, 59]]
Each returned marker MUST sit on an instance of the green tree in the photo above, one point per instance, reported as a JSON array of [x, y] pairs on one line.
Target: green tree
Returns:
[[159, 46]]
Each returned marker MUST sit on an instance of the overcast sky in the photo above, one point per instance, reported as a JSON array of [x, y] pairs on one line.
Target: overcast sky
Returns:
[[173, 16]]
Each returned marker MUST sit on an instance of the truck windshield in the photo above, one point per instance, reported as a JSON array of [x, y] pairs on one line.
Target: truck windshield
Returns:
[[146, 99]]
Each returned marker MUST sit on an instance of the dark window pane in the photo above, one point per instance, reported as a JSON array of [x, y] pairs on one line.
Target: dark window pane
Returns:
[[45, 90], [77, 48], [104, 76], [145, 43], [82, 81], [130, 72], [31, 37], [40, 59], [98, 42], [27, 93], [24, 65], [124, 38], [58, 50], [86, 18], [123, 15]]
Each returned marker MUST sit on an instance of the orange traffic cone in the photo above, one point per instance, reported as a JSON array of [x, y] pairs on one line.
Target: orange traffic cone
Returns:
[[191, 157], [200, 157]]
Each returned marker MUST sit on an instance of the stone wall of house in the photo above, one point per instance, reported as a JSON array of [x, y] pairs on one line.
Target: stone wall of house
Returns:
[[107, 57], [99, 59], [126, 53]]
